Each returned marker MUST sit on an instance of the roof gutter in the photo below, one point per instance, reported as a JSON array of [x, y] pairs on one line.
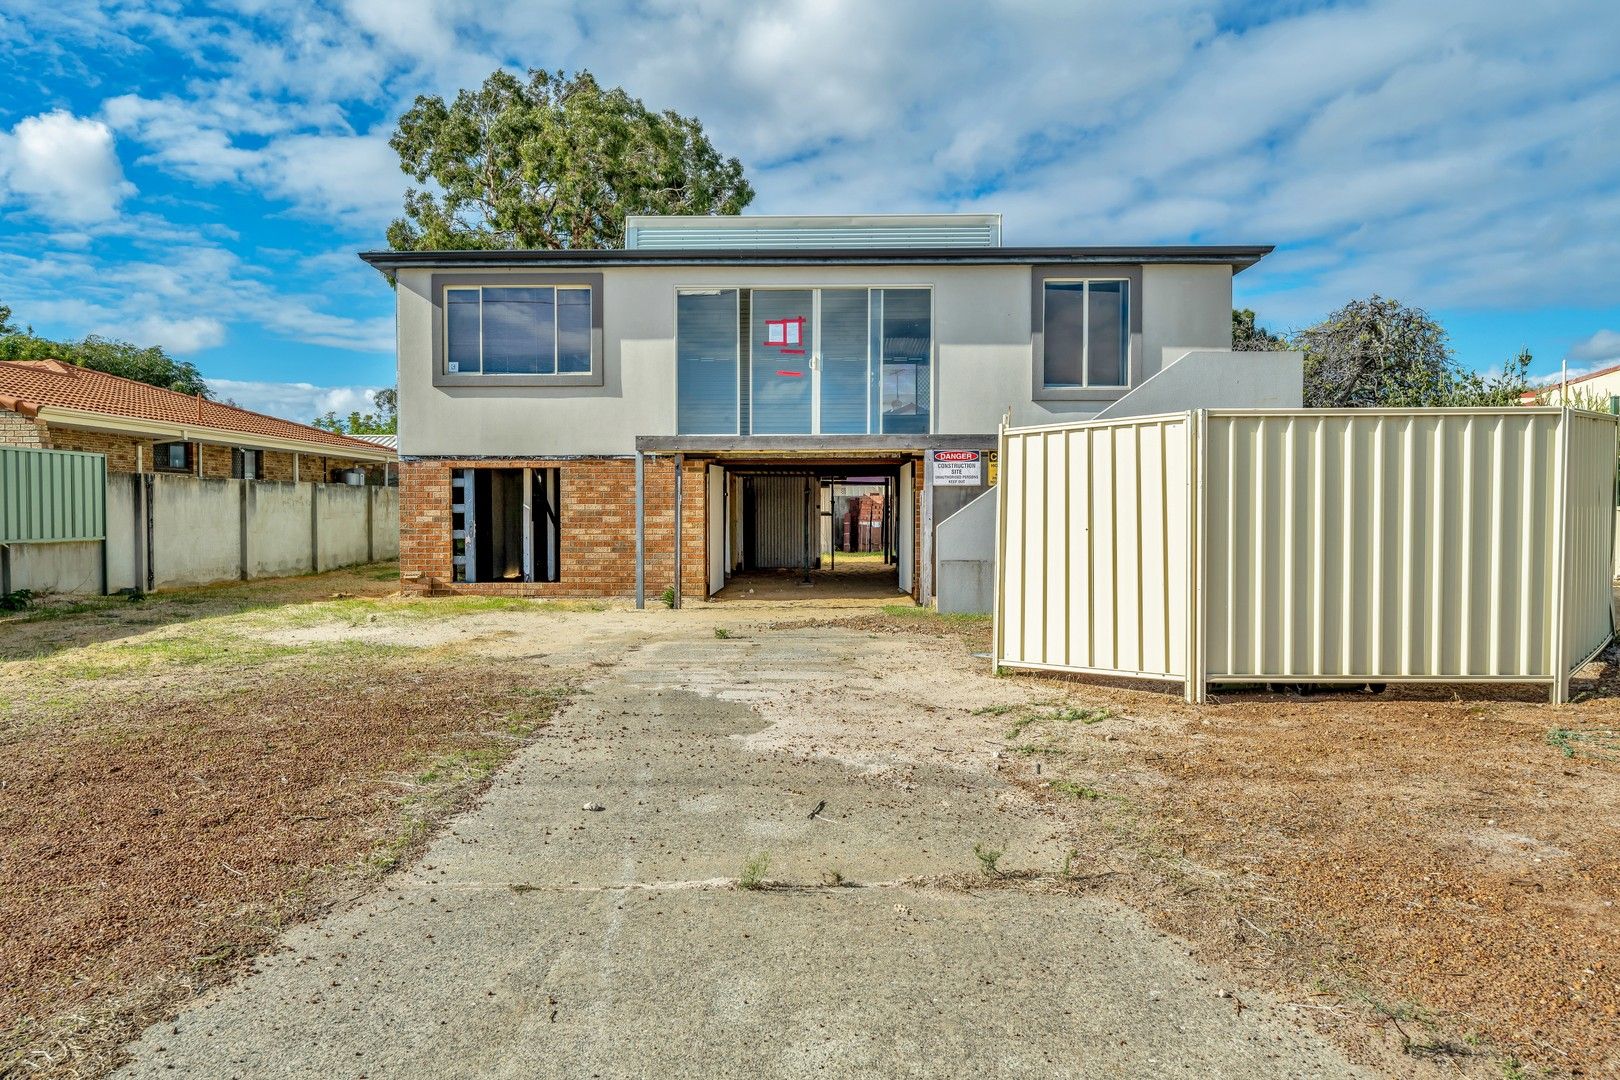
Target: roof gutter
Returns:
[[159, 429], [1238, 258]]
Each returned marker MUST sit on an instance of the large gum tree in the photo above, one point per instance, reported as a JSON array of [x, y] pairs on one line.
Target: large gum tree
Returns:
[[551, 162]]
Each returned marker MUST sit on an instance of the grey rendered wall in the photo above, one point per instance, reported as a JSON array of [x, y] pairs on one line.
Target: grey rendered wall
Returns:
[[966, 547], [983, 360], [1207, 379], [1187, 306]]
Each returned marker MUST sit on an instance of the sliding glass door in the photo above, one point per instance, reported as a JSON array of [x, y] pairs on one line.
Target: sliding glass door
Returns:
[[845, 362], [781, 355], [836, 361]]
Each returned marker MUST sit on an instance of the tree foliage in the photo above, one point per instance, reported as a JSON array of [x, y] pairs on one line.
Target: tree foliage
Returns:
[[1379, 353], [385, 421], [1249, 336], [147, 364], [553, 162]]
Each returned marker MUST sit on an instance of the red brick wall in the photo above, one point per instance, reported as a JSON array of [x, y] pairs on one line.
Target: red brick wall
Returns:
[[598, 519], [216, 460], [120, 449]]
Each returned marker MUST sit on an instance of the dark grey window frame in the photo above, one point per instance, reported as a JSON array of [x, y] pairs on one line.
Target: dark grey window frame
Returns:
[[1039, 276], [239, 463], [160, 460], [595, 377]]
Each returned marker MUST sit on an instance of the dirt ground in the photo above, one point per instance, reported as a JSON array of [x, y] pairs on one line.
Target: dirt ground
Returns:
[[177, 789], [1451, 864], [1427, 878]]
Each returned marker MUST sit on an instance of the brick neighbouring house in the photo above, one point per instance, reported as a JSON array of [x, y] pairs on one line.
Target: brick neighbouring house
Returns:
[[54, 405], [561, 411]]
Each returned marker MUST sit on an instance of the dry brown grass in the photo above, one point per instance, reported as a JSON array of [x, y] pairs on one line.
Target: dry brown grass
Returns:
[[1436, 868], [175, 794]]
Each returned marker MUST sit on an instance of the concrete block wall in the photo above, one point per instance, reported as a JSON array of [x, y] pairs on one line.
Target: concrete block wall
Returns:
[[598, 519], [196, 530], [209, 530], [343, 537], [278, 542]]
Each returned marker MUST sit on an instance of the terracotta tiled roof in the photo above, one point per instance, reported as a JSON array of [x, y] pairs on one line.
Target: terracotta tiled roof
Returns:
[[26, 386], [1530, 395]]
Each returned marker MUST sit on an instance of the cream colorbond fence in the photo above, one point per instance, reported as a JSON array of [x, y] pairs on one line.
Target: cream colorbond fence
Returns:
[[1315, 546]]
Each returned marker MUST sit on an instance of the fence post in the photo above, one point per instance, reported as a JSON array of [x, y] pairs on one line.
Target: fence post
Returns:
[[1197, 501], [997, 627], [371, 516], [1559, 634], [148, 511], [244, 521], [315, 528]]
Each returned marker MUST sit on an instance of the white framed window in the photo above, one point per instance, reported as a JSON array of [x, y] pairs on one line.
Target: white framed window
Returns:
[[517, 330], [1086, 341]]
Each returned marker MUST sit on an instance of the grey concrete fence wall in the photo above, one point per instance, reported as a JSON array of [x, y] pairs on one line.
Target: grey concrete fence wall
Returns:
[[171, 531]]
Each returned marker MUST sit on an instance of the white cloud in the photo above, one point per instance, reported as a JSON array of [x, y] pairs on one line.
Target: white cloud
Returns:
[[298, 401], [64, 167], [184, 300], [178, 335], [1598, 350], [1453, 157]]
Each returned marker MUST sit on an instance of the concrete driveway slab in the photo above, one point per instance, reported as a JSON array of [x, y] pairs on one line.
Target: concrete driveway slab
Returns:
[[539, 939]]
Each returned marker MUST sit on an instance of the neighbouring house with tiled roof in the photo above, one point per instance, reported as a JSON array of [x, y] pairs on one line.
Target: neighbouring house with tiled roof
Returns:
[[54, 405], [1588, 390]]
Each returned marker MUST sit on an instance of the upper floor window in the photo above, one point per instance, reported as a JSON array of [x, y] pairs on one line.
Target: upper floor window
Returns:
[[804, 361], [1087, 341], [518, 330]]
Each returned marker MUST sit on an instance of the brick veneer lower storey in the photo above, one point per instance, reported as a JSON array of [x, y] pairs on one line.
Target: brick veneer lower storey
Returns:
[[597, 527], [597, 519]]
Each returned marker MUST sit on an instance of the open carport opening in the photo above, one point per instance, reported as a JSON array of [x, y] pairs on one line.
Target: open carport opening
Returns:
[[795, 532]]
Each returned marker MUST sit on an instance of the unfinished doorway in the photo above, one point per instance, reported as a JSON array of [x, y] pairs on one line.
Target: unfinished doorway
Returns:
[[505, 525]]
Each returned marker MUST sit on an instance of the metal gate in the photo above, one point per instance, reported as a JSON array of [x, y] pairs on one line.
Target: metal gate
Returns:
[[1321, 546], [781, 521]]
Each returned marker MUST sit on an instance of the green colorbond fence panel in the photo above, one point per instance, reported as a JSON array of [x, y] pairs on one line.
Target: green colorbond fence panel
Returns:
[[50, 496]]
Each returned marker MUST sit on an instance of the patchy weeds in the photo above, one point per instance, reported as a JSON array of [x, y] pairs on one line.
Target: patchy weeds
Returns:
[[172, 800]]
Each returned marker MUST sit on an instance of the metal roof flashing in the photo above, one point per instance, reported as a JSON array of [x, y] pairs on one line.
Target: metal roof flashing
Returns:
[[1238, 257]]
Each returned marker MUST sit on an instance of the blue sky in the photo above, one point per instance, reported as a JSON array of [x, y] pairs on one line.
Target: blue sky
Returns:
[[201, 177]]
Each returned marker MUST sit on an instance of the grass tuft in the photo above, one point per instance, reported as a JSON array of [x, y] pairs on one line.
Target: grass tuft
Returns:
[[753, 872], [1076, 791], [1601, 744], [988, 858]]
